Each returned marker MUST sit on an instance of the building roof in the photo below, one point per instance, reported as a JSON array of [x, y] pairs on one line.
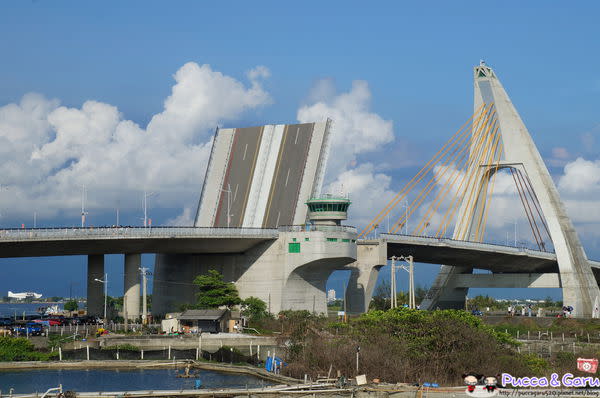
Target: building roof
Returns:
[[202, 315]]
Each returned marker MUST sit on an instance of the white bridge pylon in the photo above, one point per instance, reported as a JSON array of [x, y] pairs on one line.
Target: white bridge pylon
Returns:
[[494, 138], [519, 152]]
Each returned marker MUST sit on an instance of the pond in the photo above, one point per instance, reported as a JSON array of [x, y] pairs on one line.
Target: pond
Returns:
[[39, 380]]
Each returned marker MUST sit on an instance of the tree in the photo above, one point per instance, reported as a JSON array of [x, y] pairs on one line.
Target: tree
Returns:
[[215, 292], [381, 297], [254, 308], [71, 305]]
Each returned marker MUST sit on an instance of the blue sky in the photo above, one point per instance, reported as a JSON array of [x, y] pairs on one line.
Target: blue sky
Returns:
[[416, 60]]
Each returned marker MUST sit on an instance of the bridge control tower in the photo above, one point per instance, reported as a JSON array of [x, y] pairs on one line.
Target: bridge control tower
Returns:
[[328, 209]]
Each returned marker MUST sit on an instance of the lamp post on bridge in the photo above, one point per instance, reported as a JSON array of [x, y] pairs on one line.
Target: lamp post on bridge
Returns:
[[146, 196], [83, 212]]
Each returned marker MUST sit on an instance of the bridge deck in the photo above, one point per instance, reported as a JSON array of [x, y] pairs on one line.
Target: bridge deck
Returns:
[[496, 258], [111, 240]]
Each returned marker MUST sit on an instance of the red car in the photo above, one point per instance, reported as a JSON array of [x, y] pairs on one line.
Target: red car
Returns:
[[49, 321]]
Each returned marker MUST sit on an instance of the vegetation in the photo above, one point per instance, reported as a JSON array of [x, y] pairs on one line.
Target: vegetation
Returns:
[[215, 292], [381, 296], [71, 305], [255, 309], [21, 349], [400, 345], [122, 347]]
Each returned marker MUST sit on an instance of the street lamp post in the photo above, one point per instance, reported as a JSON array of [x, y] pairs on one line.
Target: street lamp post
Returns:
[[144, 272], [83, 212], [146, 196], [105, 282], [406, 207]]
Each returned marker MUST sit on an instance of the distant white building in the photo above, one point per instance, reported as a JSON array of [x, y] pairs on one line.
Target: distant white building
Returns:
[[24, 295], [330, 295]]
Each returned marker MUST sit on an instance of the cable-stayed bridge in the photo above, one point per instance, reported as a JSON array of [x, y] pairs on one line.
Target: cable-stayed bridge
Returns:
[[262, 177]]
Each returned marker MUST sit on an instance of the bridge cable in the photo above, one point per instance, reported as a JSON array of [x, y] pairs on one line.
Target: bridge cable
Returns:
[[521, 196], [433, 181], [460, 193], [424, 170]]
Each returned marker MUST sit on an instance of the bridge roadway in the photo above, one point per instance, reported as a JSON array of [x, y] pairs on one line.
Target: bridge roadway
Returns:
[[492, 257], [41, 242]]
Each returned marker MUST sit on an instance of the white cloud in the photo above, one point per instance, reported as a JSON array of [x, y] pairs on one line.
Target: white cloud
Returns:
[[355, 130], [185, 219], [580, 176], [48, 151], [369, 192]]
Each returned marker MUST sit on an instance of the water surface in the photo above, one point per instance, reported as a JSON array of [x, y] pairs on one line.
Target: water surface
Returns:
[[39, 380]]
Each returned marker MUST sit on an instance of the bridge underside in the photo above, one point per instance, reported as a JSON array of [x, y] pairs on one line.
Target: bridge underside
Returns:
[[472, 258], [67, 247]]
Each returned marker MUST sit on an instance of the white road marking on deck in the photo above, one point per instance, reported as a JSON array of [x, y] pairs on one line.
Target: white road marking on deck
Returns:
[[235, 193], [287, 177], [296, 140], [245, 150], [278, 215]]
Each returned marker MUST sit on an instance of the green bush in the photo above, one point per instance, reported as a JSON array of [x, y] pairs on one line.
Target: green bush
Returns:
[[20, 349], [122, 347]]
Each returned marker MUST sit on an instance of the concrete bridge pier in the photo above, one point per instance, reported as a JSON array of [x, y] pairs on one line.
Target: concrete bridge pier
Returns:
[[95, 289], [131, 286], [289, 273], [371, 256]]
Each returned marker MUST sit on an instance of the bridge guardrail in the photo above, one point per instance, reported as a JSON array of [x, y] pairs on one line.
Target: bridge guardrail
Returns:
[[132, 232], [320, 228], [475, 245]]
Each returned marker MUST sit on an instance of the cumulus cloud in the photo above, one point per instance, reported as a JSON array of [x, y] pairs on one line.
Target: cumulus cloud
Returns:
[[355, 130], [185, 219], [369, 192], [49, 151], [580, 176]]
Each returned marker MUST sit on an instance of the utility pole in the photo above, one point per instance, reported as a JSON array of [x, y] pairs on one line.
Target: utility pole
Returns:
[[345, 307], [34, 219], [393, 298], [144, 272], [411, 279]]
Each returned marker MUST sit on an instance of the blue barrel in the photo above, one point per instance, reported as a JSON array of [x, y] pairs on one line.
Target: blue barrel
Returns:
[[197, 384]]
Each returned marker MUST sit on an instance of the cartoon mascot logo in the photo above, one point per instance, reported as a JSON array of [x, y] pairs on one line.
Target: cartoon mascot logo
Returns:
[[479, 386]]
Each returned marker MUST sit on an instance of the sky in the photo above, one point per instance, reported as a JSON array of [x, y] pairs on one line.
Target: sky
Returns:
[[123, 97]]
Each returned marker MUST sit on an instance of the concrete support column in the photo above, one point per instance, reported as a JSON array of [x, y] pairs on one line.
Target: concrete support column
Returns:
[[95, 290], [131, 286], [361, 286]]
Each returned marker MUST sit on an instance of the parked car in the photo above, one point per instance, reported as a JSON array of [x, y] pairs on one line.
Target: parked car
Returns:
[[31, 329], [47, 321]]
